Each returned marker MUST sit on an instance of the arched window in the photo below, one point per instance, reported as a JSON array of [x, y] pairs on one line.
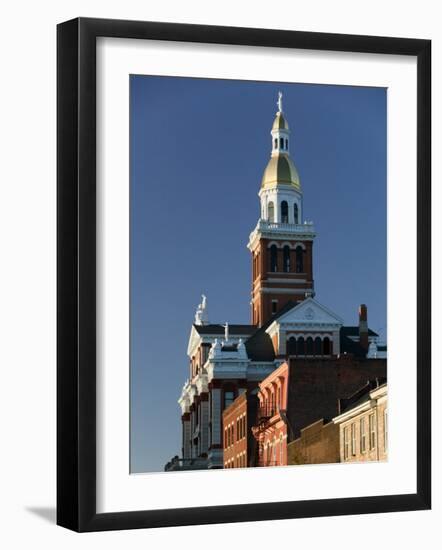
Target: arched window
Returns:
[[276, 143], [286, 144], [281, 143], [286, 259], [284, 212], [300, 344], [273, 258], [292, 346], [326, 346], [271, 212], [296, 213], [309, 345], [318, 346], [299, 259]]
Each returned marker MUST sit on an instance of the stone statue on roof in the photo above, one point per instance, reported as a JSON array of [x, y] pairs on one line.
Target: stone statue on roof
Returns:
[[201, 315]]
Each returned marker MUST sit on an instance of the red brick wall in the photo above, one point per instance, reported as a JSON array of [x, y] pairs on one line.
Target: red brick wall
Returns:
[[316, 384], [262, 303]]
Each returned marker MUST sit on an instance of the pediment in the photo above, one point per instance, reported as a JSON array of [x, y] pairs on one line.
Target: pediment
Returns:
[[194, 341], [309, 313]]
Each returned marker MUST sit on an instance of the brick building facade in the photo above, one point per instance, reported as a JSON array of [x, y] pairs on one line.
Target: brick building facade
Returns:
[[318, 443], [239, 443], [363, 424]]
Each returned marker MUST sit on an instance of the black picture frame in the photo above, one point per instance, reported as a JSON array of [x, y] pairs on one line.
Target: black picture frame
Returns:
[[76, 274]]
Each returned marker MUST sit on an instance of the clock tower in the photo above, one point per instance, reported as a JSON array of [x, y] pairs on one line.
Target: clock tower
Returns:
[[282, 242]]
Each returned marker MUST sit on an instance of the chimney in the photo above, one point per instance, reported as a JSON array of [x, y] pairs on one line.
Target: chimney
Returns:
[[363, 327]]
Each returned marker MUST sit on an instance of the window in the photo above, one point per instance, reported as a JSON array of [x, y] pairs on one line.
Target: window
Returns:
[[286, 144], [353, 439], [274, 306], [271, 212], [296, 213], [286, 259], [318, 346], [281, 143], [309, 345], [273, 258], [229, 397], [299, 253], [284, 212], [326, 346], [276, 143], [363, 442], [385, 430], [372, 431], [301, 346], [274, 451], [346, 443], [292, 346]]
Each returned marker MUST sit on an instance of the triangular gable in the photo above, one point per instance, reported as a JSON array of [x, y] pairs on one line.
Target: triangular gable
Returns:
[[194, 340], [308, 312]]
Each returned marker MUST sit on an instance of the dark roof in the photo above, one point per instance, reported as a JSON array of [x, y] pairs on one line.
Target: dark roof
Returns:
[[233, 347], [259, 346], [219, 329], [354, 331], [348, 345], [360, 396]]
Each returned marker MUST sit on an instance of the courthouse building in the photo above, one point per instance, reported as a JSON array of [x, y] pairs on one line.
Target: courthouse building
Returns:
[[294, 350]]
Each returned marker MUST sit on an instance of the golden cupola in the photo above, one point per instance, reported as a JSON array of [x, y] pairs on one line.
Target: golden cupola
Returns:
[[280, 169]]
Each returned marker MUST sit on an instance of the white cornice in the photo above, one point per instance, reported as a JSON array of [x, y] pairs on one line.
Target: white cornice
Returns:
[[280, 231]]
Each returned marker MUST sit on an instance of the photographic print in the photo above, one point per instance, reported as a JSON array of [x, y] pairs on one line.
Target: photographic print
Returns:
[[258, 218]]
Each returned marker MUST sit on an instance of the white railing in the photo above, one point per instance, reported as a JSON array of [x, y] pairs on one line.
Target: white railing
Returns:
[[306, 227]]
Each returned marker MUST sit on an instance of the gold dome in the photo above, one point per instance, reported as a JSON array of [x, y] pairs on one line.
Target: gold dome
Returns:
[[280, 122], [280, 169]]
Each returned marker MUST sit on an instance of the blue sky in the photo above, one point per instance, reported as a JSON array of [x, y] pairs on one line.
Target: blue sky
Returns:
[[198, 151]]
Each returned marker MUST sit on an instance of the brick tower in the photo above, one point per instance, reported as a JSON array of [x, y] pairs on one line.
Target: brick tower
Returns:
[[281, 243]]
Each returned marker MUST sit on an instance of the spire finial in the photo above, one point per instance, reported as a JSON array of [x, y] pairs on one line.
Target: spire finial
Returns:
[[279, 102]]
